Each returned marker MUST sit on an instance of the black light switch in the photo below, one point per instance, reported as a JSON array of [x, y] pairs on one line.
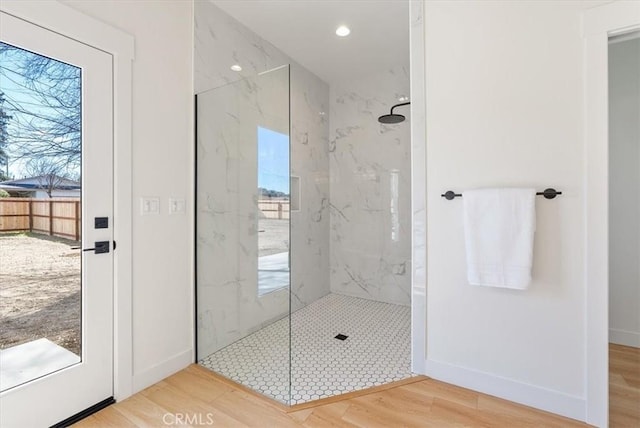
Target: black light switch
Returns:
[[101, 222]]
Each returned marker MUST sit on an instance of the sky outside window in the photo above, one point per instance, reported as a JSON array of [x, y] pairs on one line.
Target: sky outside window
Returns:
[[273, 160], [42, 106]]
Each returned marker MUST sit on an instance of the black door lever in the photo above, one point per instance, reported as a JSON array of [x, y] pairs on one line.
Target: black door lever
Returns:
[[100, 247]]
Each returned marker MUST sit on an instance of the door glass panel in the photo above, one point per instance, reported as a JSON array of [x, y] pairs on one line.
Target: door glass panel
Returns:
[[40, 209]]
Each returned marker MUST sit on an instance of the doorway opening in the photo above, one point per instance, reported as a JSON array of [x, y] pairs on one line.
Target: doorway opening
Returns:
[[624, 229]]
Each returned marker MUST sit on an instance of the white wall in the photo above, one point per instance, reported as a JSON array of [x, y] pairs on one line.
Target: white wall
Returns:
[[624, 192], [505, 108], [370, 167], [162, 167]]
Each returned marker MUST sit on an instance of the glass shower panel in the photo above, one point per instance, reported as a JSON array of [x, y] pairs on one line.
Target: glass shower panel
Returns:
[[242, 221]]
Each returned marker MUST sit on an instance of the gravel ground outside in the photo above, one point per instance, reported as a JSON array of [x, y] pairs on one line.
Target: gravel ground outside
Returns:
[[273, 236], [40, 284], [39, 290]]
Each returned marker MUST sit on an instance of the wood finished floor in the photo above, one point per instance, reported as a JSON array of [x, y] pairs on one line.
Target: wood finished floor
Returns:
[[199, 393], [426, 403], [624, 386]]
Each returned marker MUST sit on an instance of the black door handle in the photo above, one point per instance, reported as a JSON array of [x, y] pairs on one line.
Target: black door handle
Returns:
[[100, 247]]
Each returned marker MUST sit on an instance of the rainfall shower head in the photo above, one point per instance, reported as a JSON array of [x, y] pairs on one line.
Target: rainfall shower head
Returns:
[[393, 118]]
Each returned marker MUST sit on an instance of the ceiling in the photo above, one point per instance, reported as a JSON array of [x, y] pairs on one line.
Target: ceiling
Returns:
[[305, 30]]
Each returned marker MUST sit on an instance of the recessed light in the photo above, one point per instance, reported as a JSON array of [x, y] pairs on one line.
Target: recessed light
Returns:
[[403, 99], [343, 31], [236, 67]]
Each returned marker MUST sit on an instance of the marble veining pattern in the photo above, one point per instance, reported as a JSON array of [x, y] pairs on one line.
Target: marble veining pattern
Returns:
[[370, 203], [351, 235], [220, 42], [233, 104]]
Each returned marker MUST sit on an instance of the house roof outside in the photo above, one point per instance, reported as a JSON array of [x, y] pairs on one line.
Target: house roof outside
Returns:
[[38, 182], [9, 187]]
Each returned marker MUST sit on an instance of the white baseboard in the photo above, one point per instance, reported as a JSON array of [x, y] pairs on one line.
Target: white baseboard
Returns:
[[529, 395], [162, 370], [623, 337]]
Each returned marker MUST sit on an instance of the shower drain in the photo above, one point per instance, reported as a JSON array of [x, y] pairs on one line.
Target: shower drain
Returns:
[[341, 337]]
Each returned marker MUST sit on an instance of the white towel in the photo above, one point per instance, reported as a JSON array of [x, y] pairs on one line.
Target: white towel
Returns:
[[498, 226]]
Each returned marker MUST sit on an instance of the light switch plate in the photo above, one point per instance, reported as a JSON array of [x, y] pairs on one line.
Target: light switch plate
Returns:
[[177, 206], [149, 206]]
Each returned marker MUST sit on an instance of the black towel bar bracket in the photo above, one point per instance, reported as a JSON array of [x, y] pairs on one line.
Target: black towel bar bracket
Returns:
[[549, 193]]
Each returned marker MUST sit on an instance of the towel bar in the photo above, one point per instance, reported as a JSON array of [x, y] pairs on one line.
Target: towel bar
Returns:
[[549, 193]]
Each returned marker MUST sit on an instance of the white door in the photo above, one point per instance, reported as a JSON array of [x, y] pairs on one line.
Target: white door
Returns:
[[55, 382]]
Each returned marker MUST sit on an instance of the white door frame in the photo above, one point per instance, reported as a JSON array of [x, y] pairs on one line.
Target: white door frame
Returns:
[[69, 22], [599, 24]]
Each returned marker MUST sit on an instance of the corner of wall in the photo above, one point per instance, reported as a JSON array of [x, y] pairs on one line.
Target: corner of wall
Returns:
[[508, 389], [162, 370]]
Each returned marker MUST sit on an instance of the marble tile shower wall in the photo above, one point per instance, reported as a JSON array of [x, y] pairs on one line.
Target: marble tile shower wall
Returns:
[[228, 305], [370, 199]]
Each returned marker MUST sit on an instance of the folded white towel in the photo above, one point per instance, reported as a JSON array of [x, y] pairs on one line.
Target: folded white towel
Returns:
[[499, 225]]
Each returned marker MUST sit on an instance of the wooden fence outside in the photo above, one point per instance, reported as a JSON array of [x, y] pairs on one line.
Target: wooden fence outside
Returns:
[[53, 216], [274, 209]]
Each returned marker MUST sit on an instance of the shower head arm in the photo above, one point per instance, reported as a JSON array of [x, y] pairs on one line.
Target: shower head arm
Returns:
[[399, 105]]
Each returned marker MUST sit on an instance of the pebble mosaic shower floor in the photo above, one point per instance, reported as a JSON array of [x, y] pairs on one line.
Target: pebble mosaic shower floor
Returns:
[[376, 351]]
